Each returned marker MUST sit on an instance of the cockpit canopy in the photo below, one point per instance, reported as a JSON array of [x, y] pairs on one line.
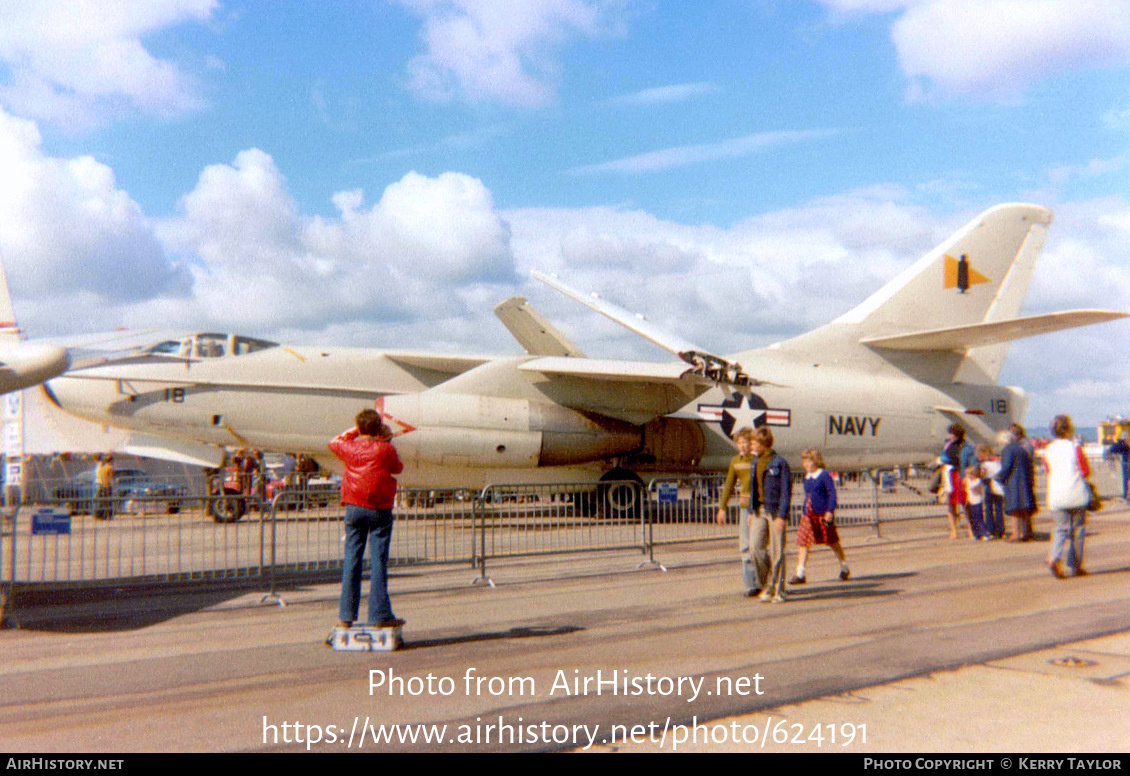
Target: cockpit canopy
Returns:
[[210, 345]]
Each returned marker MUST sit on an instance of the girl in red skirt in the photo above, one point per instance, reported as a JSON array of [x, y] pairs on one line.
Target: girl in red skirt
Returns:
[[817, 525]]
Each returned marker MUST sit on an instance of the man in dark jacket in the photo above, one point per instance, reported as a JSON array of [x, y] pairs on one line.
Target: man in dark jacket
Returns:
[[772, 486], [368, 491], [1121, 451], [1018, 476]]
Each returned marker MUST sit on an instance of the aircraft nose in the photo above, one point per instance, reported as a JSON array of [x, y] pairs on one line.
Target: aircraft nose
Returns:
[[74, 395], [31, 363]]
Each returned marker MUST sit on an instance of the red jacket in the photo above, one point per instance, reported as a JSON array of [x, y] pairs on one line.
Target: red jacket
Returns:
[[369, 466]]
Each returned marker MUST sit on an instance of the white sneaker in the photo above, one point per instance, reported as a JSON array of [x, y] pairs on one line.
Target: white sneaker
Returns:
[[780, 598], [766, 596]]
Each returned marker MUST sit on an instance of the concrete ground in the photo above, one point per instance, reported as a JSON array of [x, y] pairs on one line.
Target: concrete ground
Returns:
[[933, 645]]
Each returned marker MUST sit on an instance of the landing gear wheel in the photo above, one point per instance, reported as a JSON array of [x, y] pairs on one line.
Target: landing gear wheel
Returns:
[[621, 494], [227, 508]]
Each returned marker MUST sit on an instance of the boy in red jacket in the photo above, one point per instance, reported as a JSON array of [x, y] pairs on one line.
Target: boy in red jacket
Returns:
[[368, 491]]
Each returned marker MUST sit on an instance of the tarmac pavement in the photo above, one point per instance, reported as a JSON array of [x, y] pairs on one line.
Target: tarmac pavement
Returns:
[[933, 645]]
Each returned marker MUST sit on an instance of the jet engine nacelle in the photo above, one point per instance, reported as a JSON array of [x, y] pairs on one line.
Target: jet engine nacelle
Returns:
[[487, 431]]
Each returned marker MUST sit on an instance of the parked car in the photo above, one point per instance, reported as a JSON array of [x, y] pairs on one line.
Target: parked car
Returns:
[[127, 484]]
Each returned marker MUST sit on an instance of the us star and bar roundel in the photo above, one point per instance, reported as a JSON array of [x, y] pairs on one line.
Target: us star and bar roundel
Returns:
[[737, 412]]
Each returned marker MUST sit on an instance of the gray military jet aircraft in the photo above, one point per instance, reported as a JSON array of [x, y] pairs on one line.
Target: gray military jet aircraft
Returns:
[[877, 386]]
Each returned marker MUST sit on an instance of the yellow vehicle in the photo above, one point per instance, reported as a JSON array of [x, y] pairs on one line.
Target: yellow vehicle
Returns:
[[1110, 431]]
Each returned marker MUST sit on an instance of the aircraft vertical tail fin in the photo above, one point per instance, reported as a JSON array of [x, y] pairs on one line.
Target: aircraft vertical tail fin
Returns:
[[980, 275], [9, 332]]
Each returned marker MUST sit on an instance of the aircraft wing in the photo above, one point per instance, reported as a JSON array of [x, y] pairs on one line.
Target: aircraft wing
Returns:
[[635, 392], [534, 333], [709, 365], [674, 373], [179, 451], [975, 335]]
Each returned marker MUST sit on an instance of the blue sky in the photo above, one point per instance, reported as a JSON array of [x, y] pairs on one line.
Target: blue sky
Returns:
[[383, 173]]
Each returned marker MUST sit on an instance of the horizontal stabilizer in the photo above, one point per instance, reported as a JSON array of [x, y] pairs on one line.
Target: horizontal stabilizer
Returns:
[[958, 338], [712, 367], [534, 333]]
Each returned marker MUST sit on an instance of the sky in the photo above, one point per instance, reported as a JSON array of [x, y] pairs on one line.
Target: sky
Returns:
[[382, 173]]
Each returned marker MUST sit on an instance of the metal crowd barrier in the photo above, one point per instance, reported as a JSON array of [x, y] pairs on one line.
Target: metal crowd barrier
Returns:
[[109, 539], [517, 520], [158, 539]]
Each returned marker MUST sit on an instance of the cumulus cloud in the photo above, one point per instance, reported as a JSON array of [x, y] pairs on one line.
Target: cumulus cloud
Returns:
[[260, 264], [994, 49], [500, 52], [67, 231], [69, 63], [760, 280]]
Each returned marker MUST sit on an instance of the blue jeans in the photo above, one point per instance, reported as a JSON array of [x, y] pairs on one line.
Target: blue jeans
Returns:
[[994, 513], [1070, 532], [976, 515], [775, 583], [374, 526]]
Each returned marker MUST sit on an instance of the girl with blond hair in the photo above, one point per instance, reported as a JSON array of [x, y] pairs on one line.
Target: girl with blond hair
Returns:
[[817, 524]]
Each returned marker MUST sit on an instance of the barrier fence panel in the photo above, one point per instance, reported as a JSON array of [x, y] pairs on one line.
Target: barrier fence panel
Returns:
[[8, 519], [683, 509], [58, 542], [434, 525], [518, 520], [1106, 474], [303, 531]]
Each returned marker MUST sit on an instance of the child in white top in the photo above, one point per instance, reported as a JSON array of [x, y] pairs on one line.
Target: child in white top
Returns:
[[975, 498]]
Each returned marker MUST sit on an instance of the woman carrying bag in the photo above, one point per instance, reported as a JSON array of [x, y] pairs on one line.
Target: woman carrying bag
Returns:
[[1069, 496]]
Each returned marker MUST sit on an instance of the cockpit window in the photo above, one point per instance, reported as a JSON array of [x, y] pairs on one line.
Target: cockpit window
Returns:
[[167, 348], [210, 345], [242, 345]]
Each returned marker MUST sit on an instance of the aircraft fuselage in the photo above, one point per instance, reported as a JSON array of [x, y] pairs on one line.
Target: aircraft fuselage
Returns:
[[495, 423]]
